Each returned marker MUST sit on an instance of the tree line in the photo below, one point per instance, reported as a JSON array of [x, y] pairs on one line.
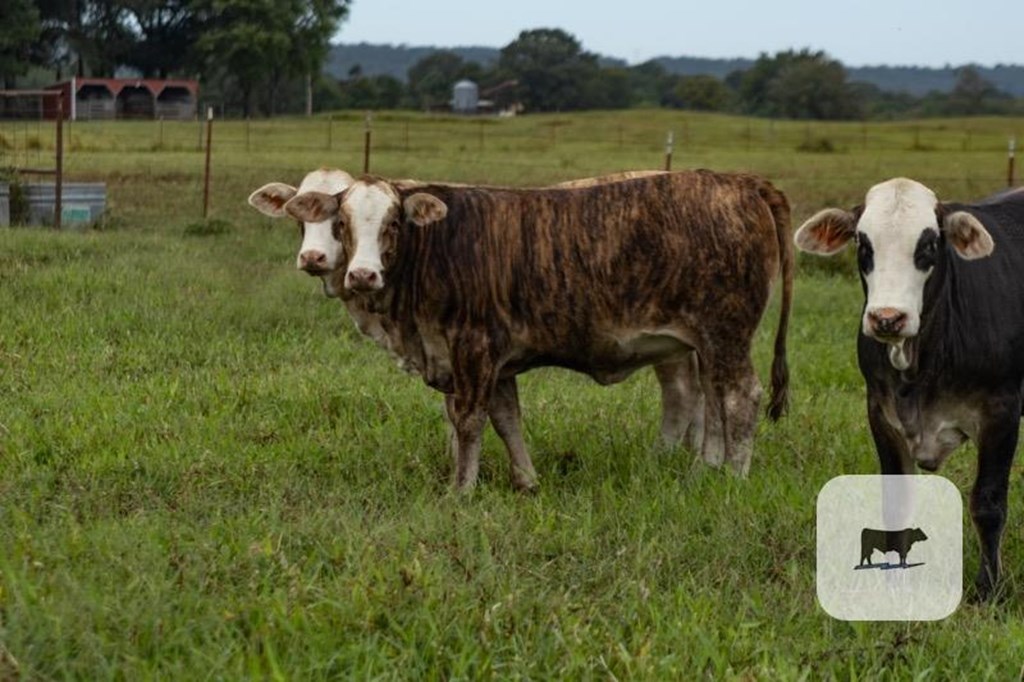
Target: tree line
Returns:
[[551, 71], [267, 56], [255, 54]]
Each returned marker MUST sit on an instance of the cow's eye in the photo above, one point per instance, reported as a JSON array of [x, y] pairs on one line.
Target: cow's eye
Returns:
[[865, 254], [337, 227], [926, 251]]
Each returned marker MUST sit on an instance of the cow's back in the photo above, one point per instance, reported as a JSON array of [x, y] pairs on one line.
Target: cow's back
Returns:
[[634, 242], [557, 268]]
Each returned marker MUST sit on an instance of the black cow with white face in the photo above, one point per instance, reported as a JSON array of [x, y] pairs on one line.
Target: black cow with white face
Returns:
[[941, 344]]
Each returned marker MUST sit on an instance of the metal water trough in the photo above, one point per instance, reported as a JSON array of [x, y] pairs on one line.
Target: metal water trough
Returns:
[[82, 203]]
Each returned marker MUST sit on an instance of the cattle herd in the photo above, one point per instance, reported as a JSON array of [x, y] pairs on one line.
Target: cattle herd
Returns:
[[469, 286]]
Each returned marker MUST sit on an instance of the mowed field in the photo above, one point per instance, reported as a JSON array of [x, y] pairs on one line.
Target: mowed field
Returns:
[[207, 473]]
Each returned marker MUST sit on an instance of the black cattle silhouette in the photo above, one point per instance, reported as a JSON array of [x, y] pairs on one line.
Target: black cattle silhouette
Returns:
[[899, 541]]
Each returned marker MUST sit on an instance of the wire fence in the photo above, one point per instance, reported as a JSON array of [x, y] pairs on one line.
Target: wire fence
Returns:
[[811, 159], [428, 135]]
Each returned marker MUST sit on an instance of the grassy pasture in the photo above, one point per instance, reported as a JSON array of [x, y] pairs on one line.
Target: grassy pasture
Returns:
[[206, 473]]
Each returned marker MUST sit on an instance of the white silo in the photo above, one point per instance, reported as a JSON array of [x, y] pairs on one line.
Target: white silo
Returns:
[[465, 97]]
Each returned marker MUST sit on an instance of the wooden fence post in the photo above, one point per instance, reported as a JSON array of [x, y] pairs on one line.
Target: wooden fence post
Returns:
[[1011, 153], [58, 186], [668, 150], [206, 178], [366, 143]]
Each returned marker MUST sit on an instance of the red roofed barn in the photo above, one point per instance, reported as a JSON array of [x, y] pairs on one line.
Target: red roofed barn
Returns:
[[140, 98]]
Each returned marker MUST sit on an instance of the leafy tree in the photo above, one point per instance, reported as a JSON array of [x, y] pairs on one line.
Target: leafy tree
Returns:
[[94, 34], [812, 89], [243, 38], [19, 28], [973, 95], [164, 33], [102, 37], [884, 104], [376, 92], [607, 89], [648, 82], [53, 49], [316, 21], [551, 68], [700, 93], [803, 84], [260, 43]]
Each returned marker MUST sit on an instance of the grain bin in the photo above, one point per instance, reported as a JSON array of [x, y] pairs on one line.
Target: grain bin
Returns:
[[465, 97]]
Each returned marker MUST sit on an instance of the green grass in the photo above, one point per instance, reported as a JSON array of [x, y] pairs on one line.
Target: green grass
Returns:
[[205, 472]]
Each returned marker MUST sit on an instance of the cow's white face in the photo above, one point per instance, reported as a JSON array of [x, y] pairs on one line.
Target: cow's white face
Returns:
[[897, 248], [322, 252], [370, 215], [366, 218], [900, 233]]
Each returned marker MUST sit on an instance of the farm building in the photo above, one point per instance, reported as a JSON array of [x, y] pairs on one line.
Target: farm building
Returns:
[[109, 98], [465, 97]]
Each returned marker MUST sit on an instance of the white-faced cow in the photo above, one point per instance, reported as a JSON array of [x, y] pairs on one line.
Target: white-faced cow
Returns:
[[474, 285], [318, 255], [941, 343]]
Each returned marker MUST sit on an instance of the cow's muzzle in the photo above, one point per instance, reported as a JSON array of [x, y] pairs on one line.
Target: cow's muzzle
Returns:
[[364, 280], [313, 262], [887, 323]]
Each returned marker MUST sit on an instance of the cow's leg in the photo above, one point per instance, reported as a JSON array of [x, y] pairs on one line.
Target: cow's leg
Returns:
[[507, 421], [893, 454], [468, 424], [713, 446], [682, 403], [732, 393], [449, 423], [742, 398], [474, 375], [996, 445]]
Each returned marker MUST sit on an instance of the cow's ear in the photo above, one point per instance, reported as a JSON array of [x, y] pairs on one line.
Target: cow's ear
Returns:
[[312, 207], [827, 232], [423, 209], [968, 236], [271, 198]]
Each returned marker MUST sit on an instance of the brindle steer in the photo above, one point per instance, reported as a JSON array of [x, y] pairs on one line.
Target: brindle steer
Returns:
[[472, 286]]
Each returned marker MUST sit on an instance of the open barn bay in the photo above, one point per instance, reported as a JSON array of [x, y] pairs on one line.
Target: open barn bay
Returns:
[[205, 472]]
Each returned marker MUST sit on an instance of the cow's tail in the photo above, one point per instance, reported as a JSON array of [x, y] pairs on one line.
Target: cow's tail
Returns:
[[779, 207]]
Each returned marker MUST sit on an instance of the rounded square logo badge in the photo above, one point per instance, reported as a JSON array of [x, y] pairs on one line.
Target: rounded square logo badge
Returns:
[[889, 547]]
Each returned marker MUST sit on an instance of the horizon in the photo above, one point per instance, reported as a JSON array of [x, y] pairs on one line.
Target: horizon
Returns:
[[424, 46]]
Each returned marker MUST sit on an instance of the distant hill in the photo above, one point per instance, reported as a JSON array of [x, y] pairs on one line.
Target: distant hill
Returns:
[[395, 60], [921, 81]]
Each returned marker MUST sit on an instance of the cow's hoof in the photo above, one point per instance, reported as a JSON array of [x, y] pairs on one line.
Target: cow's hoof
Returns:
[[984, 592], [525, 483], [463, 489]]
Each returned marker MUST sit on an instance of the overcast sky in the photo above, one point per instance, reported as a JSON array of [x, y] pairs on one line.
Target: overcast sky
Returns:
[[857, 33]]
